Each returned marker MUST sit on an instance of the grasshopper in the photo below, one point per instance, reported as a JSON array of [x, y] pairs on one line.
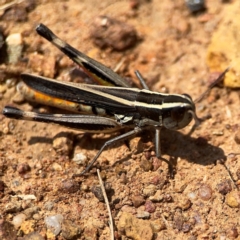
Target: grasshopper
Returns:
[[103, 108]]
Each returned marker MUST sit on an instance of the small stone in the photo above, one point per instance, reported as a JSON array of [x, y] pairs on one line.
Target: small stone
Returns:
[[54, 223], [150, 207], [49, 206], [158, 225], [157, 197], [109, 32], [14, 44], [56, 167], [205, 192], [23, 168], [237, 137], [134, 228], [186, 227], [90, 233], [149, 190], [178, 220], [195, 5], [145, 164], [30, 211], [13, 207], [233, 233], [97, 191], [143, 214], [18, 220], [184, 203], [27, 226], [70, 230], [138, 201], [63, 144], [156, 163], [18, 98], [159, 181], [224, 187], [80, 158], [69, 186], [233, 199]]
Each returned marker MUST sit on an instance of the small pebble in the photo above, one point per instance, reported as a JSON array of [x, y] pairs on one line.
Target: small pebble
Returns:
[[138, 201], [192, 195], [149, 190], [150, 206], [13, 207], [80, 158], [14, 44], [178, 220], [205, 192], [156, 163], [54, 223], [18, 220], [158, 225], [109, 32], [233, 233], [63, 144], [97, 191], [23, 168], [69, 186], [30, 211], [233, 199], [27, 226], [224, 187], [143, 215], [195, 5], [49, 206], [56, 167], [11, 82], [186, 227], [185, 204], [70, 230], [145, 164], [157, 197], [237, 137]]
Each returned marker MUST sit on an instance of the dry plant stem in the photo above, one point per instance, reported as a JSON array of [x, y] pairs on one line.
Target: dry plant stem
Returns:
[[8, 5], [107, 203]]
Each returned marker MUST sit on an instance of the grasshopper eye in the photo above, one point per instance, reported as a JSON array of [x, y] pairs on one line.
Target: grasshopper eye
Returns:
[[177, 114]]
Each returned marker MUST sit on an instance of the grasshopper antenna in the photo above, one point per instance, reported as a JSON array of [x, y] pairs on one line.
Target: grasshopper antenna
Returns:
[[218, 80], [196, 118]]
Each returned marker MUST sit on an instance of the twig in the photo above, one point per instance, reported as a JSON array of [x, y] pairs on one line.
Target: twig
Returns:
[[8, 5], [107, 203]]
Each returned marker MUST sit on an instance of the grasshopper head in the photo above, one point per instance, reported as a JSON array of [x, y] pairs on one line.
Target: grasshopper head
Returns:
[[180, 113]]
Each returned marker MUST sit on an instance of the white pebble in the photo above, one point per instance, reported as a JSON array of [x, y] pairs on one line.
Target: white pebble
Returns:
[[54, 222], [18, 220]]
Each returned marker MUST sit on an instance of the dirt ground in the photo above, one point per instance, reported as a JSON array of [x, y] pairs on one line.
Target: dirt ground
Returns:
[[37, 160]]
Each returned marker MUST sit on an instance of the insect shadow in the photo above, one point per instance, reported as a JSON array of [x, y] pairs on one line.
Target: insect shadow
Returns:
[[173, 144]]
